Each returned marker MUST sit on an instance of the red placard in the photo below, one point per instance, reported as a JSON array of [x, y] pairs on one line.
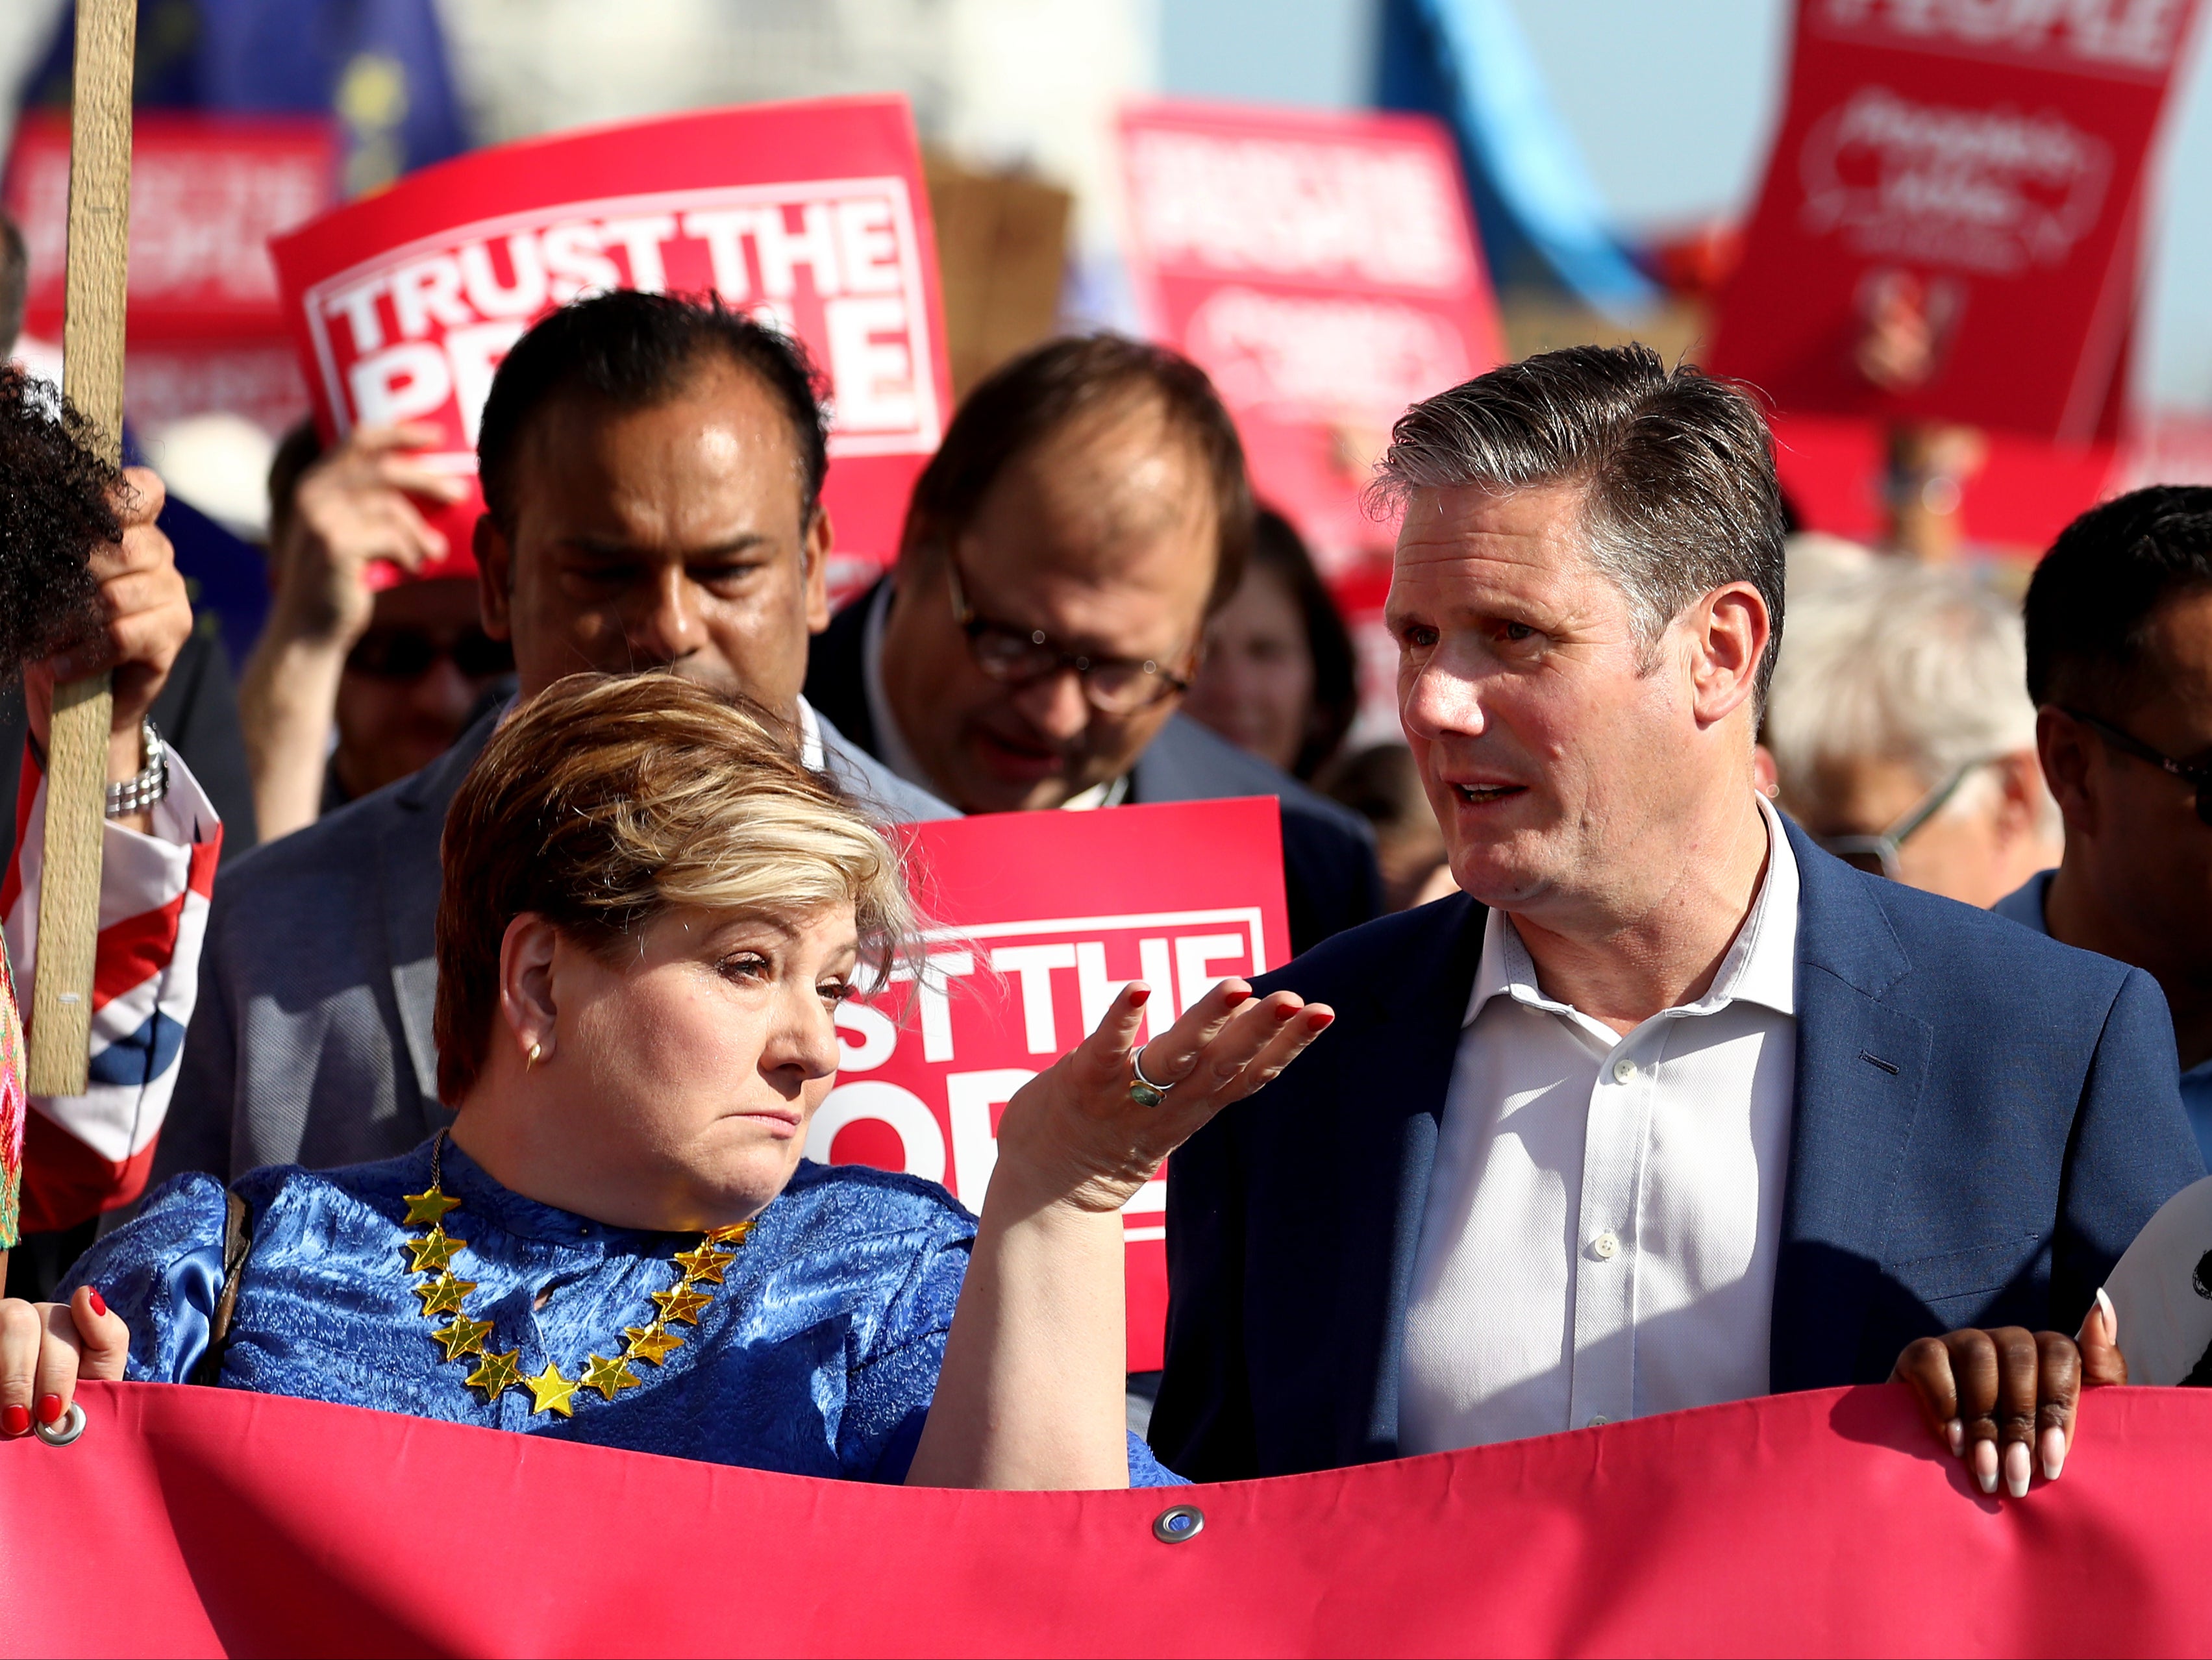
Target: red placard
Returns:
[[1323, 270], [207, 192], [195, 1521], [1040, 919], [1966, 179], [811, 215]]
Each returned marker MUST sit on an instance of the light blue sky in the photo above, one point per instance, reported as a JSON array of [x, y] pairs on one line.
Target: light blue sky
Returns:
[[1674, 102]]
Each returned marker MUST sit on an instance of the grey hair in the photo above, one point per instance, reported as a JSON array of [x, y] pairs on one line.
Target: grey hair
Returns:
[[1904, 663], [1676, 469]]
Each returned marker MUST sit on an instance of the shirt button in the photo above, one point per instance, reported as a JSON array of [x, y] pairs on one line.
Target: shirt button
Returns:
[[1599, 1421], [1623, 1070], [1605, 1244]]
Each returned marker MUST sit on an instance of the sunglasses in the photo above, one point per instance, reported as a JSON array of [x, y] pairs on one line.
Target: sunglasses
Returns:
[[1878, 856], [393, 652], [2198, 778], [1015, 656]]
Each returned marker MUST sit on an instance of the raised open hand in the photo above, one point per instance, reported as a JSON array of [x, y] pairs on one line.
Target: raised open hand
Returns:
[[1081, 1131]]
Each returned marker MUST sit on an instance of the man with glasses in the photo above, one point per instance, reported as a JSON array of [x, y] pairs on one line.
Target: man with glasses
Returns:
[[2119, 664], [653, 470], [1087, 514], [1902, 738]]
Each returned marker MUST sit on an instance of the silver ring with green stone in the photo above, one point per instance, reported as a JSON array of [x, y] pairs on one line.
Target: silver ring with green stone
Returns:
[[1142, 1090]]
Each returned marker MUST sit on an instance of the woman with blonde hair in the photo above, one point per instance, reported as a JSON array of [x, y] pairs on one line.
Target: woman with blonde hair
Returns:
[[650, 910]]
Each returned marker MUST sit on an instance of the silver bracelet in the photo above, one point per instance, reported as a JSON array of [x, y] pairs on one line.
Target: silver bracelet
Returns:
[[152, 783]]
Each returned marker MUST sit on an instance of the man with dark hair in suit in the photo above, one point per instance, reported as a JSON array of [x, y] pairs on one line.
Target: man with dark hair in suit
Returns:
[[653, 470], [2119, 667], [1087, 514], [1669, 1107]]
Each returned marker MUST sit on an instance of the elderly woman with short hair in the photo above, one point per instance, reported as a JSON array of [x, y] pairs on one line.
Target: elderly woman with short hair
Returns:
[[650, 909]]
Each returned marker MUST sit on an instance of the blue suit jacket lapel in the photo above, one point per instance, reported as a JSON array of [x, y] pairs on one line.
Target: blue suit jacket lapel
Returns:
[[1418, 1008], [1861, 1067]]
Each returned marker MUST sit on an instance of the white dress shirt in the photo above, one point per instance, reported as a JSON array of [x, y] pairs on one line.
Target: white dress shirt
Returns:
[[1605, 1214]]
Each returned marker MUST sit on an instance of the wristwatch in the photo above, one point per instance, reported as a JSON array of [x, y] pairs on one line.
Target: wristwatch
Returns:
[[152, 783]]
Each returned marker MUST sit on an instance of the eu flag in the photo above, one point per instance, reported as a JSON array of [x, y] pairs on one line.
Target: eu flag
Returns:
[[377, 66]]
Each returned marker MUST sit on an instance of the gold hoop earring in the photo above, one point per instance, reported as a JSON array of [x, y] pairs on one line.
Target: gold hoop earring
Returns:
[[537, 1053]]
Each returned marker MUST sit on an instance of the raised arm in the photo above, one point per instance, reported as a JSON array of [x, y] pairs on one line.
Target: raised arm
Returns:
[[1032, 1392]]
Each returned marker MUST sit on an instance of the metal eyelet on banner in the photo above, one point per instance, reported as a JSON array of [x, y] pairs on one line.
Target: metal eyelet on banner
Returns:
[[1178, 1524], [61, 1434]]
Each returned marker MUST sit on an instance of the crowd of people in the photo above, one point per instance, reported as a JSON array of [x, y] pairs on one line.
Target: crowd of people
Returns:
[[1711, 1009]]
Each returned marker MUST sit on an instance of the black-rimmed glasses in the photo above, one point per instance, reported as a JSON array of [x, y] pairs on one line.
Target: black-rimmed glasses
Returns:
[[1015, 656], [1878, 856], [2198, 778]]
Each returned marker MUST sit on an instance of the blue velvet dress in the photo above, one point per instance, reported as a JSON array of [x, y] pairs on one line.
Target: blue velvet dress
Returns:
[[817, 1355]]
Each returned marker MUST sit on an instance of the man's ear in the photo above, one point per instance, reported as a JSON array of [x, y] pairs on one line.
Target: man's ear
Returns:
[[529, 1005], [821, 536], [495, 577], [2062, 744], [2020, 815], [1729, 630]]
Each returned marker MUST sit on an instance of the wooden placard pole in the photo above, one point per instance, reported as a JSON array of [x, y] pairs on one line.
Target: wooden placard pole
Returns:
[[91, 378]]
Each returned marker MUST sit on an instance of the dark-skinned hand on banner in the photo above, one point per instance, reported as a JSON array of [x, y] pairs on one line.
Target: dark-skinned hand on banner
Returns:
[[1039, 920], [811, 215], [192, 1521]]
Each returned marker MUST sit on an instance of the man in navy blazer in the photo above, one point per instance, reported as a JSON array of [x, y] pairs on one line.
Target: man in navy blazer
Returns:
[[1670, 1107]]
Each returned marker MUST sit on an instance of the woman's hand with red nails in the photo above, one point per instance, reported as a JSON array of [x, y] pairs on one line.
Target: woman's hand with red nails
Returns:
[[45, 1348], [1075, 1134]]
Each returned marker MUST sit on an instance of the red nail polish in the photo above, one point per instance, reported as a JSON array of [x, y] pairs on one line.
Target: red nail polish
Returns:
[[1323, 1021], [1285, 1012], [1139, 995], [99, 1303], [50, 1409], [1237, 999], [16, 1420]]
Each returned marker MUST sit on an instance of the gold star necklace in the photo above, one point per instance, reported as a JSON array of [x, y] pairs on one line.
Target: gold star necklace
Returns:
[[465, 1339]]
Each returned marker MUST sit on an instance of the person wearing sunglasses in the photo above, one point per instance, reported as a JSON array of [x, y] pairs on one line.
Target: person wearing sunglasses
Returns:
[[2119, 664], [1086, 517], [1902, 740]]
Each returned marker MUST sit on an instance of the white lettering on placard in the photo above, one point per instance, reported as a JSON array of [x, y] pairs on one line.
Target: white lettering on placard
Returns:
[[873, 376], [1195, 956], [867, 247], [1035, 964], [574, 265], [836, 264], [2090, 35], [640, 241], [723, 231], [968, 1098], [1324, 358], [920, 1140], [523, 296], [1016, 1010], [475, 354], [400, 383], [877, 1038], [357, 305], [1288, 207], [939, 970], [1987, 190]]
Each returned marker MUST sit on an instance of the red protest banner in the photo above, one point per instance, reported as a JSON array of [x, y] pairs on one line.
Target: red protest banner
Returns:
[[1041, 919], [1323, 270], [1949, 223], [207, 192], [208, 1522], [811, 215]]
